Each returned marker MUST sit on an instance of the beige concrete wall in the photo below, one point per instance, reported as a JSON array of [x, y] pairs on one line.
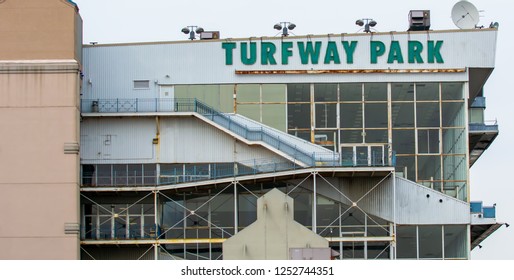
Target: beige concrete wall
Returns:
[[39, 29], [39, 182], [273, 234]]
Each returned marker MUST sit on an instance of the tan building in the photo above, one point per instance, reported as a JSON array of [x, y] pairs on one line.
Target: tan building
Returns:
[[40, 62]]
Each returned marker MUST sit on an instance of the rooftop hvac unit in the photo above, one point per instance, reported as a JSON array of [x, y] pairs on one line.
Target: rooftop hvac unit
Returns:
[[209, 35], [419, 20]]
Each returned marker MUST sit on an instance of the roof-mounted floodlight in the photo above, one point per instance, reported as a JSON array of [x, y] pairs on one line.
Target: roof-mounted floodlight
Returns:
[[285, 27], [191, 31], [367, 23]]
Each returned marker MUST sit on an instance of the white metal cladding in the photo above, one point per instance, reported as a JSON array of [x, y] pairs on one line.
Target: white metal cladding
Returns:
[[416, 204], [182, 139], [188, 139], [111, 69], [412, 204], [117, 140]]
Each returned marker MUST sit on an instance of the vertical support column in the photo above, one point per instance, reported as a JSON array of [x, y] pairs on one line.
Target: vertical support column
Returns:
[[156, 219], [340, 233], [127, 223], [83, 223], [155, 251], [395, 237], [417, 242], [142, 221], [365, 235], [209, 210], [236, 209], [184, 224], [468, 242], [314, 202], [97, 222], [392, 245], [113, 222], [389, 126]]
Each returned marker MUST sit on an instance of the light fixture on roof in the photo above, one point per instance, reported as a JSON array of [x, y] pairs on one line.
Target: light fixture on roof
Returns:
[[367, 23], [191, 31], [285, 27]]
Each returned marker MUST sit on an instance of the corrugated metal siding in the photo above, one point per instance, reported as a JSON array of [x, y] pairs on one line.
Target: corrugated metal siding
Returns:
[[111, 69], [192, 140], [182, 140], [117, 140], [412, 204], [414, 207]]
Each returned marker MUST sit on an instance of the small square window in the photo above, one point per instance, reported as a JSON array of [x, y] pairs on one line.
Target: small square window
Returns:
[[141, 84]]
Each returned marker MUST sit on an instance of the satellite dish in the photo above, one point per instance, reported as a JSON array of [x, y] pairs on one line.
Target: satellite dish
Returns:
[[465, 15]]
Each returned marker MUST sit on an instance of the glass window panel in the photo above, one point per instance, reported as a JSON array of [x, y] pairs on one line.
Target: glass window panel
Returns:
[[379, 250], [428, 91], [326, 115], [455, 168], [403, 114], [227, 98], [247, 206], [430, 242], [274, 93], [350, 92], [305, 135], [406, 242], [402, 92], [252, 111], [429, 168], [453, 114], [405, 167], [456, 189], [376, 115], [120, 174], [302, 208], [274, 115], [452, 91], [376, 136], [428, 141], [298, 93], [404, 141], [298, 116], [353, 250], [326, 138], [103, 174], [351, 136], [150, 174], [375, 92], [248, 93], [476, 115], [454, 141], [455, 242], [351, 115], [427, 114], [325, 92]]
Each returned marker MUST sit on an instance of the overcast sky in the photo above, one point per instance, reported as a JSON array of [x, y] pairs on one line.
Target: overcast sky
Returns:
[[120, 21]]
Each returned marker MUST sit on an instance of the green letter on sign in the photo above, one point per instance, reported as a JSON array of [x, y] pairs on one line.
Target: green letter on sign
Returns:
[[244, 53], [377, 49], [415, 49], [286, 52], [350, 50], [267, 52], [307, 51], [395, 53], [332, 54], [229, 47], [434, 51]]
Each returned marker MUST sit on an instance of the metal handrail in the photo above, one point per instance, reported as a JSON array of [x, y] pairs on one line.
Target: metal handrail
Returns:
[[193, 105]]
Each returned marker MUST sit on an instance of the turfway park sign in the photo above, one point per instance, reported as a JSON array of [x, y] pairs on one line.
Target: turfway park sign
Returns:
[[332, 52]]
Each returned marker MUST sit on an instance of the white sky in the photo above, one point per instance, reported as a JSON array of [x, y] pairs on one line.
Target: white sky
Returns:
[[118, 21]]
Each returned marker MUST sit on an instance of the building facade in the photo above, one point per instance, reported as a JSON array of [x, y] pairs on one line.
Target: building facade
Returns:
[[40, 61], [336, 146]]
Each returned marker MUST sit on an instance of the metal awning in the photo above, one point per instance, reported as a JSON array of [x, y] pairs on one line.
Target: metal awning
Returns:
[[479, 232]]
